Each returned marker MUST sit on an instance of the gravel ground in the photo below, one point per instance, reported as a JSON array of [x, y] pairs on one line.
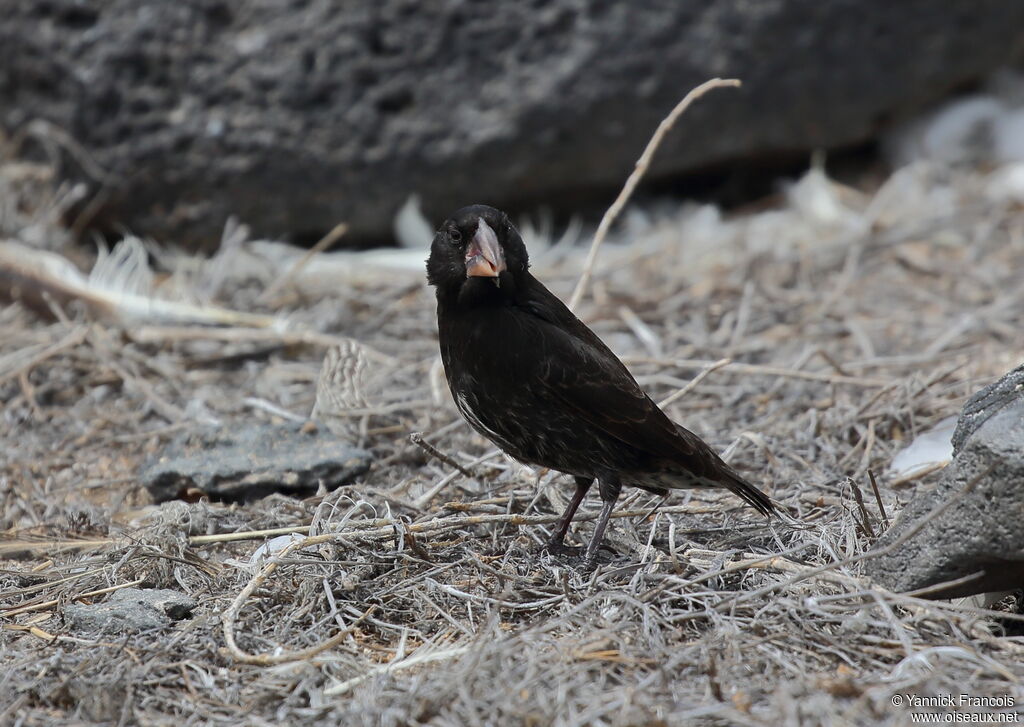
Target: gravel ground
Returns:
[[849, 320]]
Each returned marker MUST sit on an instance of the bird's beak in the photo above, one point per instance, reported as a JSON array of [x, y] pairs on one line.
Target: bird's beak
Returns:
[[484, 258]]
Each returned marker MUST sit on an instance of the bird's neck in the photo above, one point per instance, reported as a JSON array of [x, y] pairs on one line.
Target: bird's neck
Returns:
[[478, 293]]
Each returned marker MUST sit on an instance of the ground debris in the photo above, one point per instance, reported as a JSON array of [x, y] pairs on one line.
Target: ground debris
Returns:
[[841, 346]]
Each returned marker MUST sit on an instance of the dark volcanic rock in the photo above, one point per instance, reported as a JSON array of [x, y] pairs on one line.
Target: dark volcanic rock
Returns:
[[252, 461], [980, 536], [296, 115], [130, 609]]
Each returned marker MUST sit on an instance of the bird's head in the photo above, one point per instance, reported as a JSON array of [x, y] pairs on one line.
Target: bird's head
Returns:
[[476, 246]]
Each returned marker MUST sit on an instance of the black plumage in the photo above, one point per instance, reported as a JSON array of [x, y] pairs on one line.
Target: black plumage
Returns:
[[531, 377]]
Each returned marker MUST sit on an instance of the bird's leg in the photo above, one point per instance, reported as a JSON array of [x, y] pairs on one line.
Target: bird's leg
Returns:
[[556, 544], [610, 489]]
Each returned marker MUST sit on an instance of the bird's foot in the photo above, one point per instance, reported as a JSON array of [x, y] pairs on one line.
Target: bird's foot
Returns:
[[559, 548]]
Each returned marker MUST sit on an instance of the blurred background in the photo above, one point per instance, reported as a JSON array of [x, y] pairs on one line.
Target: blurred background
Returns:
[[296, 116]]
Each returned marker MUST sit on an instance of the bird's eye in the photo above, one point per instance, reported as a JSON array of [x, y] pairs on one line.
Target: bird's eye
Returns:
[[456, 236]]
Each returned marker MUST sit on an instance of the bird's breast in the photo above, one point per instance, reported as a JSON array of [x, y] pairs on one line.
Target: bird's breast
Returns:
[[495, 370]]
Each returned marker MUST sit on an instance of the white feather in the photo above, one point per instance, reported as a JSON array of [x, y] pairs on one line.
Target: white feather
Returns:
[[121, 285]]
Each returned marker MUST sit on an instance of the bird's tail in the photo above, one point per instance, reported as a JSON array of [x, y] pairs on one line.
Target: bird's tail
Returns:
[[750, 494], [715, 472]]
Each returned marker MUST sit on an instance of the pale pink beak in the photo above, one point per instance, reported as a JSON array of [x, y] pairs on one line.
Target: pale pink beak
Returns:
[[484, 258]]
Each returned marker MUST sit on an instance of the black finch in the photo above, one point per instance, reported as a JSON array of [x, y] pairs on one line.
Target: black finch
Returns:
[[531, 377]]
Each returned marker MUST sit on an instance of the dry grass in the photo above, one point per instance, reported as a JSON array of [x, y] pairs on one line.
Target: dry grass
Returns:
[[851, 322]]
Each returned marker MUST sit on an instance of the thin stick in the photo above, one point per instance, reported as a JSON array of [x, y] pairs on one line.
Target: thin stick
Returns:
[[693, 383], [242, 334], [72, 339], [878, 497], [103, 348], [423, 500], [35, 547], [414, 659], [323, 244], [945, 585], [417, 439], [383, 528], [758, 369], [638, 172], [246, 535], [28, 590], [43, 605], [277, 657], [918, 474], [868, 530]]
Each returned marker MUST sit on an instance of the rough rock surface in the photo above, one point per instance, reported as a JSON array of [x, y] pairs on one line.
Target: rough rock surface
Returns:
[[252, 461], [987, 403], [296, 115], [130, 609], [979, 537]]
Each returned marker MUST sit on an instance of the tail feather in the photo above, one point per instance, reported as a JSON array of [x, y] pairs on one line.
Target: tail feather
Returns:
[[750, 494], [704, 462]]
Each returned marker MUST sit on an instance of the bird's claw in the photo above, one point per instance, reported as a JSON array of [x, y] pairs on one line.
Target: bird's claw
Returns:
[[586, 564], [558, 548]]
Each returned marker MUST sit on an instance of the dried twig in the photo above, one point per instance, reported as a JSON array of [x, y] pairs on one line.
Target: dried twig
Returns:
[[634, 179], [417, 439], [704, 373], [323, 244], [26, 360], [878, 497], [918, 474], [417, 659], [744, 368], [44, 605], [281, 657], [865, 521]]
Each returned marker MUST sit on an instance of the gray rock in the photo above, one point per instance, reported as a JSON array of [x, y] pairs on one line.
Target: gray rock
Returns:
[[130, 609], [251, 461], [296, 115], [986, 403], [980, 536]]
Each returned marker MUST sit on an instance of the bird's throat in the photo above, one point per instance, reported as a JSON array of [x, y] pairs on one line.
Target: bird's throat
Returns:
[[486, 292]]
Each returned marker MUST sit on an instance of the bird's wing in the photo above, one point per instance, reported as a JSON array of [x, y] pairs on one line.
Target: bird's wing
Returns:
[[580, 371]]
